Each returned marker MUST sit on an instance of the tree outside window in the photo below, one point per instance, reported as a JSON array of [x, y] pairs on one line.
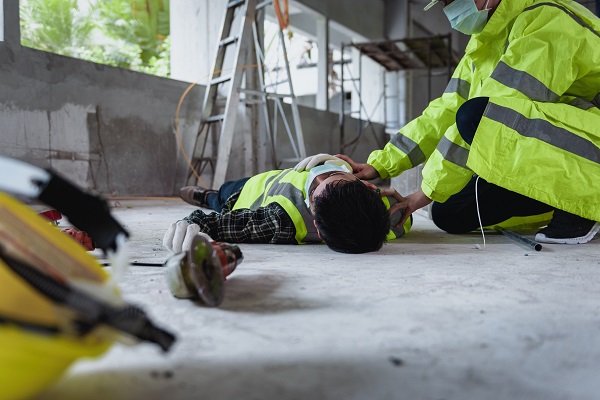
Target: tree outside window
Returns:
[[131, 34]]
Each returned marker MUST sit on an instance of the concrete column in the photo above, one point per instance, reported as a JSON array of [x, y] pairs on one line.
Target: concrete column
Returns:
[[1, 21], [10, 31], [322, 25], [195, 30]]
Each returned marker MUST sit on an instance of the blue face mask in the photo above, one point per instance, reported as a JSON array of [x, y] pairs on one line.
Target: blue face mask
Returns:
[[319, 170], [465, 17]]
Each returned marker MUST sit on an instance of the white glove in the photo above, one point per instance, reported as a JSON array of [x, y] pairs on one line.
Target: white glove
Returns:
[[309, 162], [179, 236]]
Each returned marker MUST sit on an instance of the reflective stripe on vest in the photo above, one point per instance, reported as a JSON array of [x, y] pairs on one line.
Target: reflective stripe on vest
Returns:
[[452, 152], [276, 191], [582, 103], [543, 130], [410, 148], [396, 231], [459, 86], [524, 83]]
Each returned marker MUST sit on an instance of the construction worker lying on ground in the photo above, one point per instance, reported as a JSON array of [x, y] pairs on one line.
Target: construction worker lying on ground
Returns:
[[318, 200], [522, 112]]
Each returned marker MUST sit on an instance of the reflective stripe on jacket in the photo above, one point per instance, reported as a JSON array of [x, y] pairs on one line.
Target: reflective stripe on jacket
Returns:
[[396, 232], [539, 62], [286, 188]]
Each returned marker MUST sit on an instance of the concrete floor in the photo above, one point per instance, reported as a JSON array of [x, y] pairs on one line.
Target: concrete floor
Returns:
[[427, 317]]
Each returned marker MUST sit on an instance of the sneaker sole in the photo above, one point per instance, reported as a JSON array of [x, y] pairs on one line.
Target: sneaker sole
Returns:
[[540, 237]]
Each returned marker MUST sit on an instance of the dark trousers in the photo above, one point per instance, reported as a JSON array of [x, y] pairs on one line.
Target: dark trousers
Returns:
[[459, 213], [217, 200]]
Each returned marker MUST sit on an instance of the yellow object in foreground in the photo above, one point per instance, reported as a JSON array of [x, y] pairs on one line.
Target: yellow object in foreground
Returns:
[[30, 362], [34, 348]]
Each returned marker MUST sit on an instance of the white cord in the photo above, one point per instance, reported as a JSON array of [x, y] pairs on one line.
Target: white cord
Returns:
[[477, 246]]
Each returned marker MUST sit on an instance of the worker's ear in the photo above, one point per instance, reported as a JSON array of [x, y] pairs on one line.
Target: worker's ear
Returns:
[[318, 233]]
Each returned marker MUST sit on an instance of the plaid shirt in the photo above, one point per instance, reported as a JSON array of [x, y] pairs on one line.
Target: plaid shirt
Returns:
[[269, 224]]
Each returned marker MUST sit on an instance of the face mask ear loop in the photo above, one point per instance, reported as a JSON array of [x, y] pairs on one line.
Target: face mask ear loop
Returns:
[[477, 246]]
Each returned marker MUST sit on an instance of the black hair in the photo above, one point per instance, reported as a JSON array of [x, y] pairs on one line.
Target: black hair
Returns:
[[351, 217]]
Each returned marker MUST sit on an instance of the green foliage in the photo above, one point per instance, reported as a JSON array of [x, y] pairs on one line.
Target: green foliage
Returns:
[[54, 25], [129, 34]]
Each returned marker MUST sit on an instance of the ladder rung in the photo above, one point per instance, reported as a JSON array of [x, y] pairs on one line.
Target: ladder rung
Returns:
[[235, 3], [277, 95], [251, 101], [215, 118], [277, 83], [263, 4], [220, 79], [252, 92], [227, 41], [268, 95]]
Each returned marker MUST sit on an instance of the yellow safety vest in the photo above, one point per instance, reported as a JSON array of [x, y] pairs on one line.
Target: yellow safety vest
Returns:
[[539, 63], [286, 188]]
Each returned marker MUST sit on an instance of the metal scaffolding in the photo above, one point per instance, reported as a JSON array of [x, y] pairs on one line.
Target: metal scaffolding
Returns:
[[429, 53]]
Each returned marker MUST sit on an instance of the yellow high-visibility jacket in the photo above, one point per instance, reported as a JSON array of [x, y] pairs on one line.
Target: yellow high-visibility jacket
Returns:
[[286, 188], [539, 63]]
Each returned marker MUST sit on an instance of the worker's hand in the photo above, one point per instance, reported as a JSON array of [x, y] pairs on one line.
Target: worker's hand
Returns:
[[361, 171], [179, 236], [310, 162], [409, 204], [396, 213]]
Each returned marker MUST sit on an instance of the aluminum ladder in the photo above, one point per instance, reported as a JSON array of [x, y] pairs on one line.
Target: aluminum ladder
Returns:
[[246, 39]]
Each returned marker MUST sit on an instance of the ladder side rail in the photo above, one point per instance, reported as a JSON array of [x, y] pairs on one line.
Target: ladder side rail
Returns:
[[211, 92], [287, 129], [260, 58], [231, 107], [210, 96], [301, 151]]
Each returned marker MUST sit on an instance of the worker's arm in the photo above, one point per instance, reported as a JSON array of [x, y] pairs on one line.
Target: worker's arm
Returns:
[[418, 139]]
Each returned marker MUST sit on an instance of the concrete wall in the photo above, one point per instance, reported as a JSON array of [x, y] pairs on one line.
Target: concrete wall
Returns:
[[112, 130], [104, 128], [195, 29]]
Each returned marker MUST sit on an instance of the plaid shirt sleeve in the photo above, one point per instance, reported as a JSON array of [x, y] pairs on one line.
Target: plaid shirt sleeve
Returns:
[[270, 224]]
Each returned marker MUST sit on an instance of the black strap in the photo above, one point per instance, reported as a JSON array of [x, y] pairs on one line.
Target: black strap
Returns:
[[89, 213], [91, 312]]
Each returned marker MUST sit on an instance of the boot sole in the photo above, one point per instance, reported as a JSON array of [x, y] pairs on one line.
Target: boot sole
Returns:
[[542, 238]]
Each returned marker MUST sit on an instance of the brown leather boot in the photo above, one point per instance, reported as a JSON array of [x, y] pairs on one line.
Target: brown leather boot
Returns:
[[195, 195]]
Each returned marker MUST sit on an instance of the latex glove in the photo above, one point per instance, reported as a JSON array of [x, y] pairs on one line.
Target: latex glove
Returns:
[[179, 236], [309, 162]]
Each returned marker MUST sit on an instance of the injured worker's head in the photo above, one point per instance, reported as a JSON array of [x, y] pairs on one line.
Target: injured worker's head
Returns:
[[349, 213]]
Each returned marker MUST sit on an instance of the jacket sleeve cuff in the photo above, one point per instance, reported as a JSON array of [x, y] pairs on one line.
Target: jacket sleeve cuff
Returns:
[[383, 174], [432, 194]]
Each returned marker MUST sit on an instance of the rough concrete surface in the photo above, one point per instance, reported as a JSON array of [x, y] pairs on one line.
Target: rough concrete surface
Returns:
[[427, 317]]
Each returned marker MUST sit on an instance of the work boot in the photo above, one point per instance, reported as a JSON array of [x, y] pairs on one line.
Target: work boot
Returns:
[[195, 195], [566, 228]]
